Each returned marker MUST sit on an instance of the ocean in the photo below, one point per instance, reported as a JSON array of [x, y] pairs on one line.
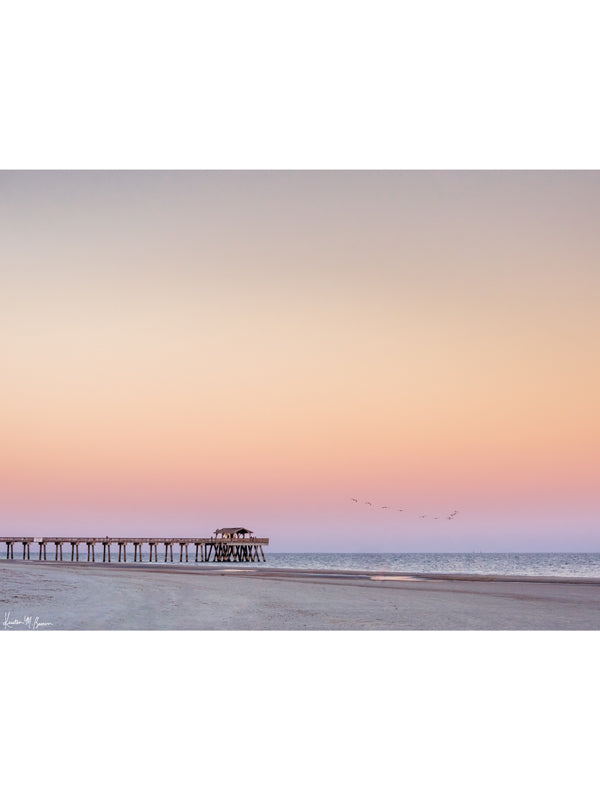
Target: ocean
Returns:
[[583, 565]]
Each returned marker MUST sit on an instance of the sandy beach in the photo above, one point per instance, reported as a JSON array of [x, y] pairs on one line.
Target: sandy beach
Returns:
[[222, 597]]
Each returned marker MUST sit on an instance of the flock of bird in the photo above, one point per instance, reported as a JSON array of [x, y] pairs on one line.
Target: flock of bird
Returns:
[[388, 508]]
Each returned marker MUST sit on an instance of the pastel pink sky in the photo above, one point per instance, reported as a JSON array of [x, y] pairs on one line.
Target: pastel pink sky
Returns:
[[184, 351]]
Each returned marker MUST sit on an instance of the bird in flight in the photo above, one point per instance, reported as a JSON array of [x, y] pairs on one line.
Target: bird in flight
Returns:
[[387, 508]]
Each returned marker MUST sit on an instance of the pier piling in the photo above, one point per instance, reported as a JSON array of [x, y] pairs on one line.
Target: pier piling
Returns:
[[226, 544]]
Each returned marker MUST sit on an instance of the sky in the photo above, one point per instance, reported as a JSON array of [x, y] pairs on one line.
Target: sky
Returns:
[[182, 351]]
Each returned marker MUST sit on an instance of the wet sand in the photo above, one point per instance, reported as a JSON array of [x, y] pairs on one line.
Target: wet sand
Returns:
[[230, 597]]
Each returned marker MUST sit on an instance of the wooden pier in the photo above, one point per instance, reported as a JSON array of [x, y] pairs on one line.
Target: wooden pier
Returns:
[[226, 544]]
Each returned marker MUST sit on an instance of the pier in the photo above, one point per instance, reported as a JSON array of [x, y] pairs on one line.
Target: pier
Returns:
[[226, 544]]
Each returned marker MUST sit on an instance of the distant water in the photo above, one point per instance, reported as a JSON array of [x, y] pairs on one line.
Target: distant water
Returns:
[[583, 565]]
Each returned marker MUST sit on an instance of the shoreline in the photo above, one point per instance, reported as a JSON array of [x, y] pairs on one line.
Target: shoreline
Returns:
[[230, 568]]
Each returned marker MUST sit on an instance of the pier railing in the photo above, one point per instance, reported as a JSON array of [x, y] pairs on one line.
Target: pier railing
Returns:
[[214, 548]]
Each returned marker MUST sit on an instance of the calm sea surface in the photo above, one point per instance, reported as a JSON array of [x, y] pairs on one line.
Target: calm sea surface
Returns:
[[584, 565]]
